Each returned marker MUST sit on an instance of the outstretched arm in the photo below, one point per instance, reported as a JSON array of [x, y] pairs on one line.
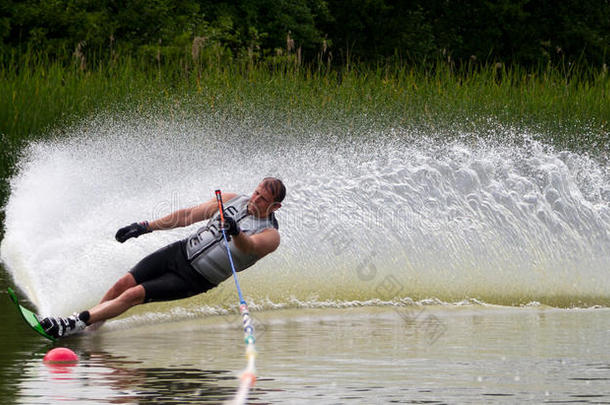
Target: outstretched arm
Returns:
[[177, 219], [188, 216]]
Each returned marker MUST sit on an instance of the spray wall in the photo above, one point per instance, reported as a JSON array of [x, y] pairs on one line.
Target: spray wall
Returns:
[[377, 217]]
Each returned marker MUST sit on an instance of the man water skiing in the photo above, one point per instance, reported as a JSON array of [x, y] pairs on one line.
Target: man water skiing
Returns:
[[190, 266]]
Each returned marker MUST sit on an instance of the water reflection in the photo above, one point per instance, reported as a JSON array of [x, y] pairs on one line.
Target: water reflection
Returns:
[[101, 377]]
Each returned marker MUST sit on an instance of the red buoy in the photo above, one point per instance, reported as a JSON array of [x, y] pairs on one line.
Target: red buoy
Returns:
[[60, 355]]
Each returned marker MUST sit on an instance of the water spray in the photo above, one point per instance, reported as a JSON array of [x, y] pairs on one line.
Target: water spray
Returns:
[[505, 223], [248, 376]]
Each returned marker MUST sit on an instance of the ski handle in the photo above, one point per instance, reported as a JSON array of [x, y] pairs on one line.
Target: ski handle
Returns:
[[221, 207], [221, 210]]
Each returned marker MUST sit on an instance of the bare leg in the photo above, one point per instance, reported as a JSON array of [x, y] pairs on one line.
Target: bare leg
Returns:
[[123, 284], [116, 306]]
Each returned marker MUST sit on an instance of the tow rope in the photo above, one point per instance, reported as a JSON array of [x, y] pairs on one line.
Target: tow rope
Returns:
[[248, 376]]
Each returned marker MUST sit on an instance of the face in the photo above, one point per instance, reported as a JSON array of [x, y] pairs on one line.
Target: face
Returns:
[[261, 202]]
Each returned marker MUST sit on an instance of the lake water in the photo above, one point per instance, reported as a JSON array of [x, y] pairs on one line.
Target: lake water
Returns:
[[426, 354]]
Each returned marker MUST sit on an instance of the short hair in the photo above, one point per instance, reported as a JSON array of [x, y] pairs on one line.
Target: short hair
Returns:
[[275, 187]]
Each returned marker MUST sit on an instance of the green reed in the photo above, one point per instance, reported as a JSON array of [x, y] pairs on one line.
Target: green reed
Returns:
[[43, 94], [567, 107], [571, 106]]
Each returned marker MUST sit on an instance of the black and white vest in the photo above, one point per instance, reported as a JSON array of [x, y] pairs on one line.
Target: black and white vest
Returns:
[[206, 251]]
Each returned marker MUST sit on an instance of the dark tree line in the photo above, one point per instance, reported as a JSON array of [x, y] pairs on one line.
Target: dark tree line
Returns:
[[525, 32]]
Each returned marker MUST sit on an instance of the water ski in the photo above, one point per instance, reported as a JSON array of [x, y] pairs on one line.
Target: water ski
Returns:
[[28, 316]]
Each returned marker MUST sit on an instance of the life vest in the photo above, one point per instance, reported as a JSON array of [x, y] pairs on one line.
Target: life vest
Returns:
[[206, 251]]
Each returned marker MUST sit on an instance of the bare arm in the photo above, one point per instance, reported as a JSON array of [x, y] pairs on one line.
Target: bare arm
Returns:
[[260, 244], [188, 216]]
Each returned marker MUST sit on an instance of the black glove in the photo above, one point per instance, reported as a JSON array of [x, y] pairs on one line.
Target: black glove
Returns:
[[132, 231], [231, 227]]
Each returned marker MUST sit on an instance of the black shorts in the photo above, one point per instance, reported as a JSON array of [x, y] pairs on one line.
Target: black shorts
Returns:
[[167, 275]]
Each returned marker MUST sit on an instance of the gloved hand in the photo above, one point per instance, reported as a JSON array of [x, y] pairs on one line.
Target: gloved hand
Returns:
[[132, 231], [231, 227]]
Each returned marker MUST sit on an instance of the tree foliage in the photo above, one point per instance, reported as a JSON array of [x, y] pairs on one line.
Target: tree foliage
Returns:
[[525, 32]]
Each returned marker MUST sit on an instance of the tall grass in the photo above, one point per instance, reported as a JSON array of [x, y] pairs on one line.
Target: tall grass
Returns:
[[44, 94], [572, 107]]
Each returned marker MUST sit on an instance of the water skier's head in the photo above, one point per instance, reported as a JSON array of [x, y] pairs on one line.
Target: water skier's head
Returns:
[[267, 197]]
